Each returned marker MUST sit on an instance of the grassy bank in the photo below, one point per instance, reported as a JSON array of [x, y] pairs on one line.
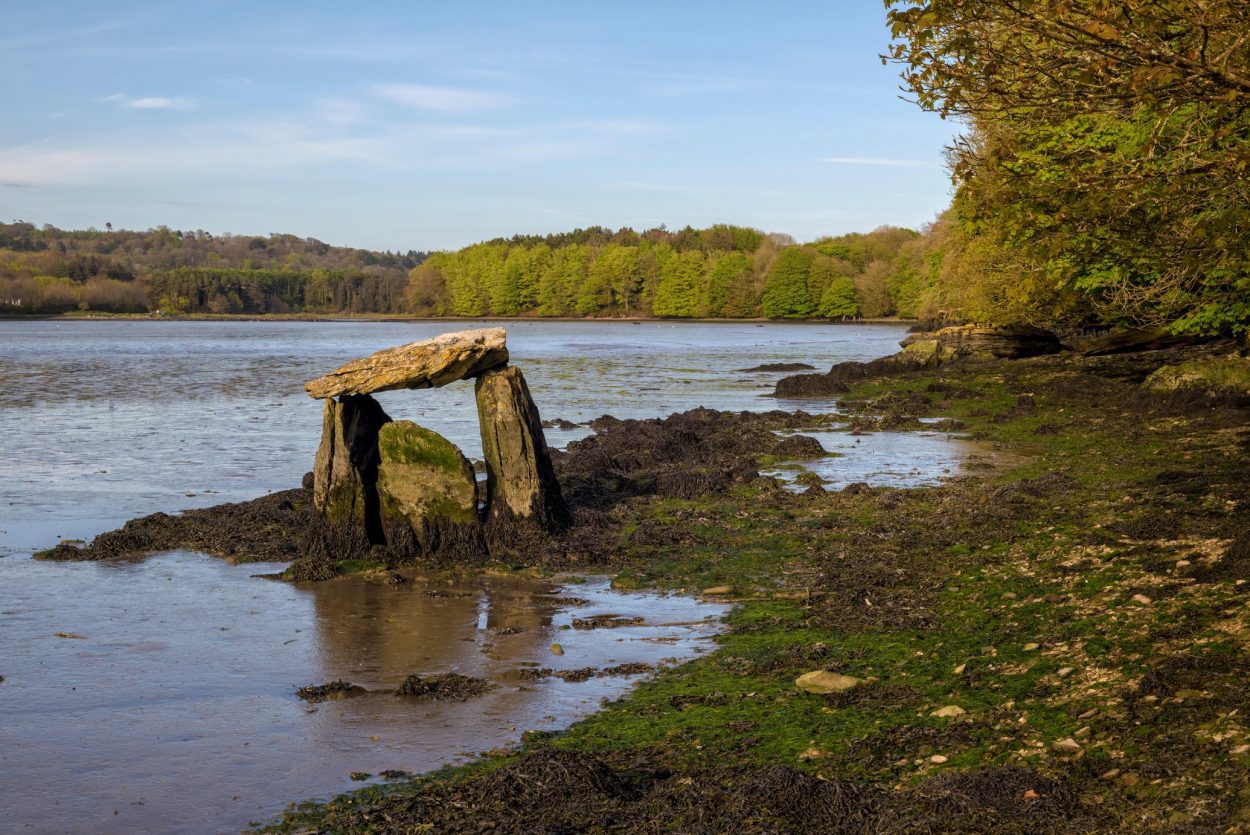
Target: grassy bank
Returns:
[[1058, 645]]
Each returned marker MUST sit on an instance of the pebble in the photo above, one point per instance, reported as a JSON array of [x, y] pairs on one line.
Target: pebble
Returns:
[[938, 759], [1030, 647], [948, 712], [717, 590], [1142, 599], [960, 669], [1240, 749], [1064, 672], [1066, 746], [1183, 563], [823, 682], [556, 649]]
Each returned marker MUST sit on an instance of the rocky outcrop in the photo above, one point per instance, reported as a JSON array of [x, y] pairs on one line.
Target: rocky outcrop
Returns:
[[521, 484], [418, 365], [427, 493], [1011, 342], [346, 470], [1127, 341]]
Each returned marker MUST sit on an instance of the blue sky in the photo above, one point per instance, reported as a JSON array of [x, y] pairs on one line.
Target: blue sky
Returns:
[[433, 125]]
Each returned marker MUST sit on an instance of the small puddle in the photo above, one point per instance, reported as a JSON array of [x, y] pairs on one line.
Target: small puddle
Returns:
[[884, 459], [168, 702]]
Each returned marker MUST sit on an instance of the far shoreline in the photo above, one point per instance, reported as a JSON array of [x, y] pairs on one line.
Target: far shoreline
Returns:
[[402, 317]]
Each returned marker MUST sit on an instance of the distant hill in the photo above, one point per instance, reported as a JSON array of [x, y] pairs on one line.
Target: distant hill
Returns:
[[49, 270]]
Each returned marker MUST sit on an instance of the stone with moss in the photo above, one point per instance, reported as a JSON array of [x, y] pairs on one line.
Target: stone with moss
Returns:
[[1227, 374], [427, 492]]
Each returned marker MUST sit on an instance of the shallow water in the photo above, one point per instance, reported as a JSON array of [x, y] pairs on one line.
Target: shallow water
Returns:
[[102, 421], [882, 459], [175, 711]]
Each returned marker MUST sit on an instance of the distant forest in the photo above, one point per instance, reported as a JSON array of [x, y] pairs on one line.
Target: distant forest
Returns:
[[720, 272], [48, 270]]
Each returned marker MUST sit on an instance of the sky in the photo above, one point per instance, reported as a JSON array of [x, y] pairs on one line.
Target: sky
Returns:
[[421, 125]]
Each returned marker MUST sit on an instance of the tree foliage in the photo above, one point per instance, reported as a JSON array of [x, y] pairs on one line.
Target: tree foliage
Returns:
[[1106, 163]]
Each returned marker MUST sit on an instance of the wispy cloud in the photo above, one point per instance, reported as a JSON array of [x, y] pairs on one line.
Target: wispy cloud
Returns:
[[150, 102], [889, 162], [162, 103], [442, 99]]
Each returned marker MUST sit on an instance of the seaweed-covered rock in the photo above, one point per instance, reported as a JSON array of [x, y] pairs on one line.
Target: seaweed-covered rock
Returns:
[[346, 470], [447, 687], [418, 365], [521, 483], [427, 493]]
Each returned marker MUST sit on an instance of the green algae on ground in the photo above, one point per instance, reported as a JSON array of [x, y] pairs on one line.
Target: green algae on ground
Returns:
[[1087, 609]]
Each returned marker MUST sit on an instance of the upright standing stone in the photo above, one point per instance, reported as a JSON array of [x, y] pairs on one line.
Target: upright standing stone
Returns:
[[427, 492], [521, 484], [346, 471]]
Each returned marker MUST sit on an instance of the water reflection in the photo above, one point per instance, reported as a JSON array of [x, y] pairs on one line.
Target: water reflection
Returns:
[[175, 710]]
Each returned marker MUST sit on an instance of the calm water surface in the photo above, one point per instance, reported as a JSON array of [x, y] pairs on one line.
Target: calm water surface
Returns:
[[171, 707]]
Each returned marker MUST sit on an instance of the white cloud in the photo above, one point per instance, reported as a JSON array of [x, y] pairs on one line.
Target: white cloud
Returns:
[[114, 97], [161, 103], [442, 99], [880, 161]]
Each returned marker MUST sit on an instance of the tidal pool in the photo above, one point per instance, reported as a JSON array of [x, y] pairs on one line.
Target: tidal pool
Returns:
[[159, 696]]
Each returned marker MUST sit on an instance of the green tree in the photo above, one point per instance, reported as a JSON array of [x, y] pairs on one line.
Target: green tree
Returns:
[[838, 300], [681, 285], [785, 289]]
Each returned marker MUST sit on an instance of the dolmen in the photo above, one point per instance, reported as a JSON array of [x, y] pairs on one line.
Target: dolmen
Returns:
[[410, 489]]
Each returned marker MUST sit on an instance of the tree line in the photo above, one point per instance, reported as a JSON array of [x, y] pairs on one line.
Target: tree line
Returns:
[[720, 272], [723, 271], [49, 270]]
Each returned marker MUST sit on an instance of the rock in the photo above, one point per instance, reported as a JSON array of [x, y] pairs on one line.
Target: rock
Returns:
[[1066, 746], [799, 447], [857, 488], [1142, 599], [1216, 375], [1128, 341], [1009, 342], [777, 366], [447, 687], [520, 482], [427, 494], [925, 353], [948, 712], [938, 759], [418, 365], [1064, 672], [346, 470], [330, 690], [719, 590], [556, 649], [1030, 647], [822, 682]]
